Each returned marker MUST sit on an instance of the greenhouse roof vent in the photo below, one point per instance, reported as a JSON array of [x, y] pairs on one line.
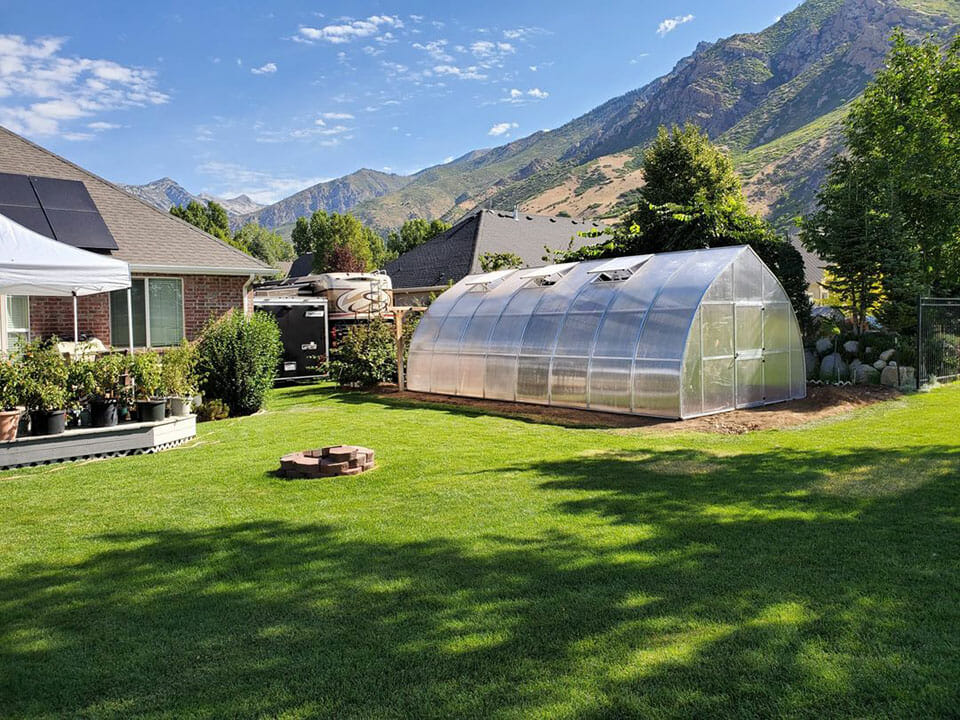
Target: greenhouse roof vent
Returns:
[[618, 268], [486, 281], [548, 275]]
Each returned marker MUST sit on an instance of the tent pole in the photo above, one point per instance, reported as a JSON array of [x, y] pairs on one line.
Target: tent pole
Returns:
[[130, 319], [76, 333]]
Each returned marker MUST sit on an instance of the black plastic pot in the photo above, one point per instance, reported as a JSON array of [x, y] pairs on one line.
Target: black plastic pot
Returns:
[[151, 410], [48, 422], [103, 413]]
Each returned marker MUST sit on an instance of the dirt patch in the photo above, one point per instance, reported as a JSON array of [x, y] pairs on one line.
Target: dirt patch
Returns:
[[821, 402]]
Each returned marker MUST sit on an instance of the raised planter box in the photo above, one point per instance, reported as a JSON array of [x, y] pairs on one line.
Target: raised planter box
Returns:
[[85, 443]]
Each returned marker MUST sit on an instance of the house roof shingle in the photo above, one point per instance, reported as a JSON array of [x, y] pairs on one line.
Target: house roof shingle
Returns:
[[147, 238], [456, 252]]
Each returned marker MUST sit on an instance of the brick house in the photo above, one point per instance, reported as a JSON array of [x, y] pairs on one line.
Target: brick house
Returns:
[[181, 275]]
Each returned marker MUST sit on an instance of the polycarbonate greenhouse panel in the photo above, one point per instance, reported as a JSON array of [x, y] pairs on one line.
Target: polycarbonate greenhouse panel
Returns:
[[671, 335]]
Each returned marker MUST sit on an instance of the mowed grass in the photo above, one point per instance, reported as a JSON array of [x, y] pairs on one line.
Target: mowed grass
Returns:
[[492, 568]]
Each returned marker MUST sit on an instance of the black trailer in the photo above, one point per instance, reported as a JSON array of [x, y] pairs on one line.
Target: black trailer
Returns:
[[305, 333]]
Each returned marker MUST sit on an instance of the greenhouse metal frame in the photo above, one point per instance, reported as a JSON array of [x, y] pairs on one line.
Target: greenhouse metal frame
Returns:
[[671, 335]]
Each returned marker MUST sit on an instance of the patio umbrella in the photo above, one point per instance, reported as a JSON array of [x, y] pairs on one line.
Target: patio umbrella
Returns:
[[32, 264]]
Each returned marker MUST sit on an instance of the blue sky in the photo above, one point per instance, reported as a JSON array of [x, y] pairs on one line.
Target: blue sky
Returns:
[[267, 98]]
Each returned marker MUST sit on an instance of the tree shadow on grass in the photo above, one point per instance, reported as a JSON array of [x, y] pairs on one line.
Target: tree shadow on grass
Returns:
[[687, 585]]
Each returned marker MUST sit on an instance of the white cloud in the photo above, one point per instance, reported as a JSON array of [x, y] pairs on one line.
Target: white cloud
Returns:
[[487, 49], [232, 180], [349, 30], [448, 159], [266, 69], [516, 96], [515, 93], [503, 128], [44, 90], [533, 68], [100, 126], [435, 49], [537, 93], [671, 24], [468, 73], [336, 116], [522, 33]]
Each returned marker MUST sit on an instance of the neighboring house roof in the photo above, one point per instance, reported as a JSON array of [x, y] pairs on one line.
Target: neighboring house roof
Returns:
[[813, 264], [147, 238], [456, 252]]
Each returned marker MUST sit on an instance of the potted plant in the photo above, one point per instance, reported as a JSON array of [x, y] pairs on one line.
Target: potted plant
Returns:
[[147, 377], [179, 377], [109, 373], [45, 386], [80, 387], [10, 391]]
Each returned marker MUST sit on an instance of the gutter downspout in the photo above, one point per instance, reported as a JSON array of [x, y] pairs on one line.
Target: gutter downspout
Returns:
[[246, 291]]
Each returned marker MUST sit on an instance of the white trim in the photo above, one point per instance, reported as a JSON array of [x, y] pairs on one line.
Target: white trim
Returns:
[[245, 290], [193, 270], [5, 322]]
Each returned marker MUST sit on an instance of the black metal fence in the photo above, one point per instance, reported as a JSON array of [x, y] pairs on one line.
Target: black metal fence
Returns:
[[938, 340]]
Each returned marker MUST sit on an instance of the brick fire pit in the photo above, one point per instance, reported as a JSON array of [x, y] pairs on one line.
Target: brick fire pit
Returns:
[[327, 462]]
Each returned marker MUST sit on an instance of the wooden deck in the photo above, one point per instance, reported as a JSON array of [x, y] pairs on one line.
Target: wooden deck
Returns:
[[88, 443]]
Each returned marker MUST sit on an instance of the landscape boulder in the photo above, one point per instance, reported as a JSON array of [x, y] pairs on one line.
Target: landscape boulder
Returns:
[[851, 346], [880, 364], [890, 377], [810, 359], [824, 345], [865, 375], [834, 369], [887, 355]]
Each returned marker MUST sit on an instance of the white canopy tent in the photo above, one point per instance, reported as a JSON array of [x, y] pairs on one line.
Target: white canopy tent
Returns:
[[31, 264]]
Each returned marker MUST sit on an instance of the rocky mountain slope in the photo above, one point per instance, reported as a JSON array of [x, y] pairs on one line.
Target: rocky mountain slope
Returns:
[[338, 195], [775, 98], [165, 193]]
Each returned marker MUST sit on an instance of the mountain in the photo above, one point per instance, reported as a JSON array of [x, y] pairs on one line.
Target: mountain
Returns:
[[239, 205], [775, 98], [339, 195], [165, 193]]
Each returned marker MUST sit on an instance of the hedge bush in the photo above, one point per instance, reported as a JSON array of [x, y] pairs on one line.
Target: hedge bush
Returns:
[[365, 354], [238, 356]]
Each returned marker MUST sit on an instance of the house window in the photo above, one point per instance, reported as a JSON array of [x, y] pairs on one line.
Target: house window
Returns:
[[157, 313], [18, 320]]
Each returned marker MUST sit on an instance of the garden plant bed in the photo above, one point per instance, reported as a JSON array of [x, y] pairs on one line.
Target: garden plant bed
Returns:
[[822, 401]]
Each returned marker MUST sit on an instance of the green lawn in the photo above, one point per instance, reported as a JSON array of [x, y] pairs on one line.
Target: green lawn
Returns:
[[492, 567]]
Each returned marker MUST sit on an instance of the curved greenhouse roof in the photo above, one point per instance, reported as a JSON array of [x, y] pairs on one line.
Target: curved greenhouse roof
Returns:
[[671, 335]]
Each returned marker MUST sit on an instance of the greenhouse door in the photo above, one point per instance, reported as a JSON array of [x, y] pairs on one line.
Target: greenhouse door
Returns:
[[748, 338]]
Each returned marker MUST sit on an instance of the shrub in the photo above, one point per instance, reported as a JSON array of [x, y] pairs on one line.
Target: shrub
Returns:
[[109, 377], [180, 370], [45, 374], [213, 410], [365, 354], [10, 385], [80, 382], [147, 374], [238, 356]]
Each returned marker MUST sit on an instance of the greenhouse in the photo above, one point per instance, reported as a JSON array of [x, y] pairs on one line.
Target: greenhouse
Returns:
[[672, 335]]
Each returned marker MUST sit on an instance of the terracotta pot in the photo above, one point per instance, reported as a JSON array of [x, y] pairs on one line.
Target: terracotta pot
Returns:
[[9, 422]]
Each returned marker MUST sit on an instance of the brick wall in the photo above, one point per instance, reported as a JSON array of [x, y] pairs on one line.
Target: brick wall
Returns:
[[204, 296], [54, 316]]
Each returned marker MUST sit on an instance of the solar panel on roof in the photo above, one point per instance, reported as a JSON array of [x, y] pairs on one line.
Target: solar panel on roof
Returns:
[[56, 194], [59, 209], [81, 229], [31, 218], [17, 190]]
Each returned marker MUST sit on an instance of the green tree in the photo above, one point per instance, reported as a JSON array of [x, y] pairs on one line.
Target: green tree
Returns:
[[415, 232], [263, 244], [693, 199], [850, 235], [339, 242], [499, 261], [211, 218], [903, 138]]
